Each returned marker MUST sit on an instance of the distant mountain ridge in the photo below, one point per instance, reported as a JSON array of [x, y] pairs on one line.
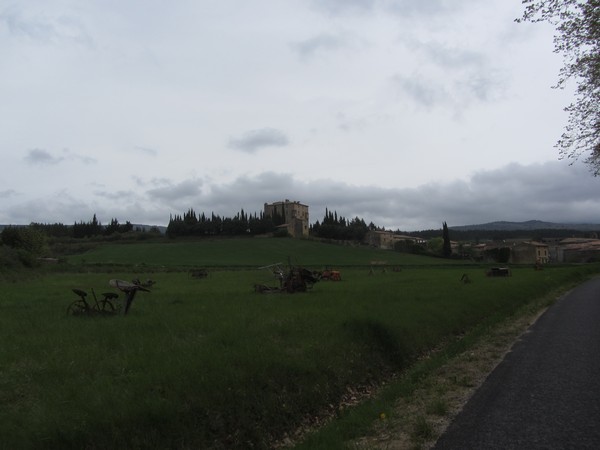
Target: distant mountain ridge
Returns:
[[529, 225]]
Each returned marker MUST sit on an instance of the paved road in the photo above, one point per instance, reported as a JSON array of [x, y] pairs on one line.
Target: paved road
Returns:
[[546, 392]]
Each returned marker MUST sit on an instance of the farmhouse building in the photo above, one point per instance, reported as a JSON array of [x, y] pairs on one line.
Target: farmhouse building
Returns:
[[529, 253], [576, 250], [387, 239], [293, 214], [515, 252]]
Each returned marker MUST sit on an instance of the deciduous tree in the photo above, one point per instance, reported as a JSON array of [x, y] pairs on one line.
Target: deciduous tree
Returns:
[[577, 38]]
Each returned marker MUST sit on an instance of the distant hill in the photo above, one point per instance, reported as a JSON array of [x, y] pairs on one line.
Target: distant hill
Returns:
[[529, 225]]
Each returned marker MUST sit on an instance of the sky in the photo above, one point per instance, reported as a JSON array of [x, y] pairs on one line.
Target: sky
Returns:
[[405, 113]]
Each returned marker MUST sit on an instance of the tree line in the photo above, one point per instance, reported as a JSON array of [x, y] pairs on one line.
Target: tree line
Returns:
[[24, 245], [193, 224], [83, 229], [339, 228]]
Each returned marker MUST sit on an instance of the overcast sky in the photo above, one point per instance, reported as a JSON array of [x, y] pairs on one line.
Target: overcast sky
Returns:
[[406, 113]]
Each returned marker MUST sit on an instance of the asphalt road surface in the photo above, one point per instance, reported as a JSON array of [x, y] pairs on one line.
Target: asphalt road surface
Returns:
[[546, 393]]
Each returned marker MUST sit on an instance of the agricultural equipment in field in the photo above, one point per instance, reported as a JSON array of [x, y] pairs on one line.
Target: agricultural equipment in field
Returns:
[[499, 272], [294, 279], [130, 290], [198, 273], [107, 305], [332, 275]]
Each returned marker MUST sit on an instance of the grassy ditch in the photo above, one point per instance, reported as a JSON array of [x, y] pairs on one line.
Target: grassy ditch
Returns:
[[211, 364]]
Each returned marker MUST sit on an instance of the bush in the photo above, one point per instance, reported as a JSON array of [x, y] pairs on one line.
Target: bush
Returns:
[[25, 238], [8, 258], [281, 232]]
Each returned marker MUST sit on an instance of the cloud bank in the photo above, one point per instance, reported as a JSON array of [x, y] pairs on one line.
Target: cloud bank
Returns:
[[552, 191]]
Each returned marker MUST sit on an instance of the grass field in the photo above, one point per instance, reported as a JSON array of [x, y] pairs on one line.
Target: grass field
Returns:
[[251, 252], [208, 363]]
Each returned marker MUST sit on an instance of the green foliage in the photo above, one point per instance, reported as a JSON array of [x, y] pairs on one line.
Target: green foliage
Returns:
[[190, 224], [422, 429], [115, 227], [9, 259], [439, 407], [339, 228], [407, 246], [28, 242], [435, 245], [447, 247], [281, 233], [82, 230], [87, 229], [577, 38]]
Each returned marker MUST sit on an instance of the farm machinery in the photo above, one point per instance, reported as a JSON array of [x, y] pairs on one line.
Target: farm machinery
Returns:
[[107, 305], [294, 279]]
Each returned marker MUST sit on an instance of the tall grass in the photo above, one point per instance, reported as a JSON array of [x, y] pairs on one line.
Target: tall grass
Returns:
[[210, 364]]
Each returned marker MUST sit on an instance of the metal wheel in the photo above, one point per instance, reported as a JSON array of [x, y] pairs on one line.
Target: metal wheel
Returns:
[[77, 308], [107, 305]]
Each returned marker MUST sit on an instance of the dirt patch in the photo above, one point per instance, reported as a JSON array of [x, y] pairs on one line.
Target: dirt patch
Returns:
[[417, 421]]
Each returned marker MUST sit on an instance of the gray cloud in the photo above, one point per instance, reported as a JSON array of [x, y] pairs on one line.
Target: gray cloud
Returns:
[[146, 150], [407, 8], [319, 44], [422, 91], [8, 193], [38, 156], [335, 7], [348, 123], [552, 191], [468, 77], [59, 208], [422, 8], [44, 28], [119, 196], [471, 71], [255, 140], [456, 93], [482, 86], [81, 158], [183, 191], [448, 57]]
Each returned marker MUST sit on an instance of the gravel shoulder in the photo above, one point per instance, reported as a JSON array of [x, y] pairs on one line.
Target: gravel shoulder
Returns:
[[417, 421]]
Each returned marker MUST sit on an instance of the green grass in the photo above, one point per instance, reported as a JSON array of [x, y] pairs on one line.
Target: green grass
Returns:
[[210, 364], [251, 252]]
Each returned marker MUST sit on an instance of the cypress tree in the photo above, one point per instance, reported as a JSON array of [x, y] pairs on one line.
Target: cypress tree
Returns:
[[447, 248]]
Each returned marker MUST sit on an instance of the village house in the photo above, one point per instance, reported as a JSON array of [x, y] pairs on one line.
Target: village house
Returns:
[[575, 250], [294, 214], [529, 252], [515, 252], [387, 239]]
